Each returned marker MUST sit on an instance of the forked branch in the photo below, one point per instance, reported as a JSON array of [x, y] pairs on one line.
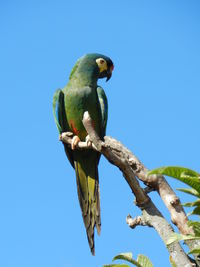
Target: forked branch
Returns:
[[131, 168]]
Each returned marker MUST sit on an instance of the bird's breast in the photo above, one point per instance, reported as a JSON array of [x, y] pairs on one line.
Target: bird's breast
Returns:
[[76, 103]]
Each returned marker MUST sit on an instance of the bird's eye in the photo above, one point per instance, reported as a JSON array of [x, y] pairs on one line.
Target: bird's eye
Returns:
[[102, 64]]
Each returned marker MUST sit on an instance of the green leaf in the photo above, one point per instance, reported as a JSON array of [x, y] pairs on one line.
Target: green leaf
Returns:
[[190, 191], [123, 256], [178, 237], [192, 204], [196, 211], [185, 175], [195, 251], [127, 257], [173, 264], [144, 261], [196, 227], [175, 171], [116, 265]]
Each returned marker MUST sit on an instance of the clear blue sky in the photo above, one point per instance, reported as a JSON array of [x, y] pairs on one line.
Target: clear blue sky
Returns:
[[153, 109]]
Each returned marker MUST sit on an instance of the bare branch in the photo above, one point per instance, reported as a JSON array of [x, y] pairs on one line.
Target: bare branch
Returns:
[[153, 218], [139, 220]]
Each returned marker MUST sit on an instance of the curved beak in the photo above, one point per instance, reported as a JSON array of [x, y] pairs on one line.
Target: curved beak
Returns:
[[109, 72]]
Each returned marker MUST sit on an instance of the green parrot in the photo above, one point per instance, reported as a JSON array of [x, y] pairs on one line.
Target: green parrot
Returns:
[[69, 104]]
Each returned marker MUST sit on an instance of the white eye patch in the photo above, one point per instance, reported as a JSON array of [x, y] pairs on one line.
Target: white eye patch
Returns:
[[102, 64]]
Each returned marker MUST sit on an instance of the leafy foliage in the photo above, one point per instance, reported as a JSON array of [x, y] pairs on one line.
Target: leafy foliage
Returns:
[[178, 237], [192, 179], [185, 175], [196, 227], [142, 260], [190, 191], [195, 251], [192, 204]]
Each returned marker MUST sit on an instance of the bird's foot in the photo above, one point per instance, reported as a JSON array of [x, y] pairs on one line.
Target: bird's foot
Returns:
[[65, 134], [75, 141], [88, 141]]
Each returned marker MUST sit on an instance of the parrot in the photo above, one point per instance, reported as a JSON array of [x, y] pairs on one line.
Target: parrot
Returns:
[[82, 94]]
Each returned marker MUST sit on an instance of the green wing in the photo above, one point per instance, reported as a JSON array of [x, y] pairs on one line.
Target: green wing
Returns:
[[60, 116], [58, 111], [61, 120], [104, 108]]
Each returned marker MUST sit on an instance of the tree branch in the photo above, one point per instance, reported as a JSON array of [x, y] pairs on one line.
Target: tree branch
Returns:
[[131, 168]]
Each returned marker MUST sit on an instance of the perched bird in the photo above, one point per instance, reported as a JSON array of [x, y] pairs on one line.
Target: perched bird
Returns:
[[69, 104]]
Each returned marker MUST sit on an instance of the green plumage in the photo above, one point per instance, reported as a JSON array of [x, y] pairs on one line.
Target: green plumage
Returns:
[[82, 94]]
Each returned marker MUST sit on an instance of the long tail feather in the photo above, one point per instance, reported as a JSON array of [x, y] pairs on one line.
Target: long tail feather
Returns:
[[88, 194]]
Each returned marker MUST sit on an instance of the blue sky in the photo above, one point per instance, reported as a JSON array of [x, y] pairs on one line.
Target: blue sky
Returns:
[[153, 109]]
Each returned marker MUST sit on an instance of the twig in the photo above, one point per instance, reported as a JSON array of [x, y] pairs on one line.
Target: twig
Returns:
[[139, 220]]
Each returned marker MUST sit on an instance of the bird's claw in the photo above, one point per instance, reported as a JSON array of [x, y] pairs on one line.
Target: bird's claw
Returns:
[[75, 141], [88, 141]]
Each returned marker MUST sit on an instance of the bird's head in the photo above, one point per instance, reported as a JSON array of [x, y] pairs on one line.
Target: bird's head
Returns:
[[101, 65], [105, 66]]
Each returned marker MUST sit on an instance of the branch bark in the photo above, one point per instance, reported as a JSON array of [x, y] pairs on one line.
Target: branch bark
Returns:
[[131, 168]]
